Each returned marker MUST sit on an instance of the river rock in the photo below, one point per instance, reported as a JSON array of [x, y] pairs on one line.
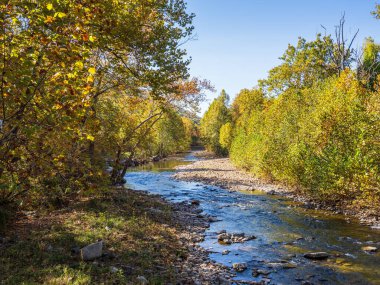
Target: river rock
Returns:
[[369, 248], [234, 238], [227, 241], [195, 202], [248, 238], [240, 266], [92, 251], [257, 272], [142, 280], [225, 252], [289, 265], [316, 255], [283, 265], [223, 236]]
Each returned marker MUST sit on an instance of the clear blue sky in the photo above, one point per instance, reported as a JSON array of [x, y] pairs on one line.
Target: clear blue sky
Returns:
[[239, 41]]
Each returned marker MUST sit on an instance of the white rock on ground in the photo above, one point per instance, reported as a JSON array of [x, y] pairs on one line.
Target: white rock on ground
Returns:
[[92, 251]]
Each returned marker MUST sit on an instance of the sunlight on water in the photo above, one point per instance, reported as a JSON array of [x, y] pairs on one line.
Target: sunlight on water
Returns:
[[285, 231]]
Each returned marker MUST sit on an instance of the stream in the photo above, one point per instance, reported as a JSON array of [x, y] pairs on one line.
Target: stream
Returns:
[[285, 231]]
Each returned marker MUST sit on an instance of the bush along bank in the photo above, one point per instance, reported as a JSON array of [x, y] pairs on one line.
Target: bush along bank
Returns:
[[312, 126]]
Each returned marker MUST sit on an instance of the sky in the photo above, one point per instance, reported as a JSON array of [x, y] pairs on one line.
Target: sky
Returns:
[[238, 41]]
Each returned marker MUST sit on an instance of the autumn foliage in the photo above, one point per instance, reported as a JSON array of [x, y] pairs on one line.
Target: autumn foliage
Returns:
[[87, 86], [313, 124]]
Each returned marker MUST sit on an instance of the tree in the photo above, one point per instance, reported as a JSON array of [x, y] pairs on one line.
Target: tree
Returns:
[[58, 61], [312, 127], [225, 136], [341, 52], [171, 135], [214, 118], [369, 63], [376, 13], [302, 65]]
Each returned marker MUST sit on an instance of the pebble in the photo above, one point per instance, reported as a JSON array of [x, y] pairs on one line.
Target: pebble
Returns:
[[240, 266], [316, 255], [369, 248], [227, 238]]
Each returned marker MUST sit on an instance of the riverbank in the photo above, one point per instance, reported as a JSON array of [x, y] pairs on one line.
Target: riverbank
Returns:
[[221, 172], [145, 240]]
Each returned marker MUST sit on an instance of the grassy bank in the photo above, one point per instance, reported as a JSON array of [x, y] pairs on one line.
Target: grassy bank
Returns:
[[139, 234]]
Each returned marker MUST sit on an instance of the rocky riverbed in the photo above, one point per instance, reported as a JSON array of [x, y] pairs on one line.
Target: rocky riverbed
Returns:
[[221, 172], [249, 237], [196, 268]]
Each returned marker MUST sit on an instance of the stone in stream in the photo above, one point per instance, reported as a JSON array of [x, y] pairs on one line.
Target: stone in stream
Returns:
[[240, 266], [283, 265], [257, 272], [248, 238], [92, 251], [234, 238], [226, 241], [369, 248], [225, 252], [316, 255], [223, 236]]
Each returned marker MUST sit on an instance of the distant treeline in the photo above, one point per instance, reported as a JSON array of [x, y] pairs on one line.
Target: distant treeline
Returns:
[[314, 123]]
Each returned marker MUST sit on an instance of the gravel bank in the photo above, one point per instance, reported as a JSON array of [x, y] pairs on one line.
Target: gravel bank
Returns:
[[221, 172], [196, 267]]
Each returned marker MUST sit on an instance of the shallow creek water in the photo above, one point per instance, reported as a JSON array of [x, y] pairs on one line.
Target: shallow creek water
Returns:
[[284, 231]]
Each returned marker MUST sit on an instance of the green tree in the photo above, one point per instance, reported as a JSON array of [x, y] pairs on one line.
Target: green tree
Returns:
[[302, 65], [376, 13], [225, 136], [214, 118], [369, 65]]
